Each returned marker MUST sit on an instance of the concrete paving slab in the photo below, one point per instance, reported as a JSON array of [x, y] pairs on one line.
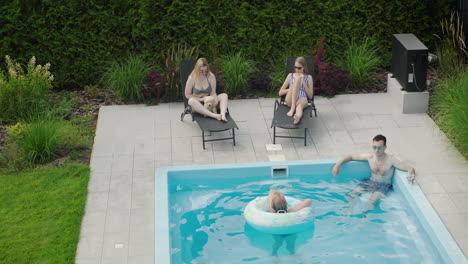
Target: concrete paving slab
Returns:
[[96, 202], [141, 243], [117, 221], [115, 246], [141, 259], [90, 247], [93, 224]]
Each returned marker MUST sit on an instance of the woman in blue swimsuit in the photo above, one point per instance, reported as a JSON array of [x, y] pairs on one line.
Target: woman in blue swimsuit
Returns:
[[297, 87], [202, 82]]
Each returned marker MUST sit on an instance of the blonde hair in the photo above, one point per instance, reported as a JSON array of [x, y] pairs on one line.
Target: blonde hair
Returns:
[[278, 202], [201, 62], [303, 62]]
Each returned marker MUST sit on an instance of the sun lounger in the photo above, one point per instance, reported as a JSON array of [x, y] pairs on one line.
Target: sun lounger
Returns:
[[281, 120]]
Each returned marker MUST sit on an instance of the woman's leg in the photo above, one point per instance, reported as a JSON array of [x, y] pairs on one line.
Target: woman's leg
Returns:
[[294, 90], [300, 106], [223, 100], [199, 108]]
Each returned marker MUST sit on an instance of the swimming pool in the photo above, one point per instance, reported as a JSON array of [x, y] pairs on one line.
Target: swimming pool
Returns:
[[198, 217]]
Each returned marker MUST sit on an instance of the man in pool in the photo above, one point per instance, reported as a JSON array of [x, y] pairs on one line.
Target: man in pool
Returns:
[[382, 167]]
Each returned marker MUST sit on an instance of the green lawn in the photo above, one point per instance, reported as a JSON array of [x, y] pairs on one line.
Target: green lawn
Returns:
[[40, 214]]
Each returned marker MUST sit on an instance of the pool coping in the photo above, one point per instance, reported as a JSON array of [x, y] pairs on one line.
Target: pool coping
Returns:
[[441, 238]]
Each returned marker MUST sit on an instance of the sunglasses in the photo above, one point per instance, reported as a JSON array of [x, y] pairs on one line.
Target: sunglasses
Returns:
[[203, 71], [375, 147], [298, 68]]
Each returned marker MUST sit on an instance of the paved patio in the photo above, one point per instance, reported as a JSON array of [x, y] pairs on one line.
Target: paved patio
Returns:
[[133, 141]]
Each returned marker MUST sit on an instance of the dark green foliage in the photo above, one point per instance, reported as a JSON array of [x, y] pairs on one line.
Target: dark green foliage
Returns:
[[127, 77], [77, 36], [236, 69], [362, 59], [451, 110]]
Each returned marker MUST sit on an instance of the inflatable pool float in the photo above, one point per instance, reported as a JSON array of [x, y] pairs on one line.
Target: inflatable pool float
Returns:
[[257, 214]]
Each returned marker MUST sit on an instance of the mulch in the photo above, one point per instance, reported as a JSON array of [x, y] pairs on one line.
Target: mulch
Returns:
[[86, 105]]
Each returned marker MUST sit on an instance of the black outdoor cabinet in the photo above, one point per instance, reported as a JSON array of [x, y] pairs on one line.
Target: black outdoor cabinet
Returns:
[[409, 62]]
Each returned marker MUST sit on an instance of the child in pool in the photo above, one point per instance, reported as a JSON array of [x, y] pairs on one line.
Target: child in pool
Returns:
[[279, 205]]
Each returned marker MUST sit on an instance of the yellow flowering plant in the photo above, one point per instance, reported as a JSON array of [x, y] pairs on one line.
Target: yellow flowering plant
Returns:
[[17, 130]]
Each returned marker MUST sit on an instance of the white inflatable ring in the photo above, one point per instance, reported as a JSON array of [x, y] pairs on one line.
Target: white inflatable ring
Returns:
[[257, 214]]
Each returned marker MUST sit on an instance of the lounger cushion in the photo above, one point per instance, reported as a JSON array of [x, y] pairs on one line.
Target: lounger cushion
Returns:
[[281, 119], [211, 124]]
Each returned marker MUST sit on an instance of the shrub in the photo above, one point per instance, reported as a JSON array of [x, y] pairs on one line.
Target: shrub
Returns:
[[215, 68], [23, 93], [332, 79], [126, 78], [277, 79], [172, 91], [42, 141], [103, 30], [236, 69], [260, 80], [451, 110], [155, 83], [449, 60], [453, 34], [329, 79], [177, 53], [451, 49], [52, 109], [173, 56], [361, 58]]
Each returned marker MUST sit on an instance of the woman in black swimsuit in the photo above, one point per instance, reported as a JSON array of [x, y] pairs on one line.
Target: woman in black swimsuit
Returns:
[[202, 82]]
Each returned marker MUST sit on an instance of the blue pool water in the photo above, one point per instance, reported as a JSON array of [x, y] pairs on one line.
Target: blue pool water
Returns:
[[206, 223]]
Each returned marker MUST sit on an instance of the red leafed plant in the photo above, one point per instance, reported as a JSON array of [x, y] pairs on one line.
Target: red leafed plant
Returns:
[[329, 79], [333, 79], [154, 83]]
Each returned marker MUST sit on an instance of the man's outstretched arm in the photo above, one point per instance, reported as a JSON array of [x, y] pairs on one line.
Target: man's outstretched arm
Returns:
[[408, 168], [347, 158]]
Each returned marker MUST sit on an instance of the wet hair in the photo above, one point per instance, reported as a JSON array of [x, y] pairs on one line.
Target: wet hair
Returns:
[[278, 203], [380, 137], [201, 62], [303, 62]]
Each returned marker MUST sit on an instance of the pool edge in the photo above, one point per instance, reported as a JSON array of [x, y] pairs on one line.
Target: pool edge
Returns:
[[427, 216]]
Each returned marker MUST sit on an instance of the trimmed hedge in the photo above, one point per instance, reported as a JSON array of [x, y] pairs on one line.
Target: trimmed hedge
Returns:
[[78, 36]]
